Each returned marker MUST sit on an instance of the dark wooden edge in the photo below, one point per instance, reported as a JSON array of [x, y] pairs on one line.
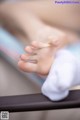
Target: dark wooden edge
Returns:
[[38, 102]]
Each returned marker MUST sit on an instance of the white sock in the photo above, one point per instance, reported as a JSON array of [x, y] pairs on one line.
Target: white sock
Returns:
[[64, 73]]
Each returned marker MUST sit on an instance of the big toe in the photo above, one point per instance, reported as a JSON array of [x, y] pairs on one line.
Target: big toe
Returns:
[[27, 66], [39, 45]]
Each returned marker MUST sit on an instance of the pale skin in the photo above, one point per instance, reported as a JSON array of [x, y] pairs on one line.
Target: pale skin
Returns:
[[39, 57], [36, 30]]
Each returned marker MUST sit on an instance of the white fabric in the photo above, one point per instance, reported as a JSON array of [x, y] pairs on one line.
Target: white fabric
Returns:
[[63, 74]]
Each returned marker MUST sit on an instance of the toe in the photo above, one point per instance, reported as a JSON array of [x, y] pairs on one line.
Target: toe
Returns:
[[53, 40], [29, 49], [33, 58], [29, 58], [27, 66], [34, 44], [39, 45], [24, 57]]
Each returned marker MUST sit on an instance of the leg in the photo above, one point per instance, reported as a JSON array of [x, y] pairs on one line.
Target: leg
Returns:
[[64, 14], [17, 18]]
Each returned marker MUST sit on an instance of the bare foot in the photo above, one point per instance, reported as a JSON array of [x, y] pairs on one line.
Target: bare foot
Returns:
[[38, 58]]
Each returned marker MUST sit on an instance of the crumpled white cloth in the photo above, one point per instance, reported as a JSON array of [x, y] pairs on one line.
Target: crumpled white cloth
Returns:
[[64, 74]]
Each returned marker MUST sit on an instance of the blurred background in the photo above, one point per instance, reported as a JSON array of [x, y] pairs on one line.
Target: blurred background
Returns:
[[19, 23]]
